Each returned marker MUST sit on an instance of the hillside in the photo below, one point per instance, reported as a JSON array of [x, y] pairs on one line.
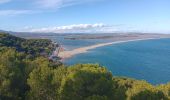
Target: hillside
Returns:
[[34, 47], [22, 78]]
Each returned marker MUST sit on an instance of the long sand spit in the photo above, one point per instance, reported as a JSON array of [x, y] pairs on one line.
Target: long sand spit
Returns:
[[68, 54]]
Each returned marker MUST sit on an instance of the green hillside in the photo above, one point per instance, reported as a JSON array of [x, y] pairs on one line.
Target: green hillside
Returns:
[[34, 47], [22, 78]]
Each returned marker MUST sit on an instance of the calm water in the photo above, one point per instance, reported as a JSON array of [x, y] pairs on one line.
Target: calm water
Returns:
[[72, 44], [148, 60]]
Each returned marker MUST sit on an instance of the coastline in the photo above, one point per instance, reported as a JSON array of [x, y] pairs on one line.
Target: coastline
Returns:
[[69, 54]]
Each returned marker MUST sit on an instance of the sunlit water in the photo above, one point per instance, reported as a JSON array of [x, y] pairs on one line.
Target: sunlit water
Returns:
[[148, 59]]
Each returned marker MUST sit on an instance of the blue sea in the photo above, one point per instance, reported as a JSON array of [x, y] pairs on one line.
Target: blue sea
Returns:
[[145, 60]]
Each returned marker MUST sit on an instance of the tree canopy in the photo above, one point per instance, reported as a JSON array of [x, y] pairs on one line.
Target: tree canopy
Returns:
[[33, 47]]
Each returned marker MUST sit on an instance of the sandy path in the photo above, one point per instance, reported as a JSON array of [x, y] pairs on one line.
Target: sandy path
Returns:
[[68, 54]]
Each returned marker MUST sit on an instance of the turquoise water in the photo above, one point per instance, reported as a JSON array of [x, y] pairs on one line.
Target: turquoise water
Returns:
[[147, 60]]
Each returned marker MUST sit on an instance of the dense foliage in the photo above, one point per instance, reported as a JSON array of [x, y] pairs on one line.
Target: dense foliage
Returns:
[[33, 47], [22, 78]]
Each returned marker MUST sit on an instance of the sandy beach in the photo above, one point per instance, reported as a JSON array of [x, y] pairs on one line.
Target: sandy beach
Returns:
[[68, 54]]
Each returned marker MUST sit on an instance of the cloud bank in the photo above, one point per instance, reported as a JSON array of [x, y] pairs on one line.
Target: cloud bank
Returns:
[[82, 28], [75, 28]]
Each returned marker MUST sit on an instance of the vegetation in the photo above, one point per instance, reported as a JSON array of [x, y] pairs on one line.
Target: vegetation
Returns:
[[22, 78], [32, 47]]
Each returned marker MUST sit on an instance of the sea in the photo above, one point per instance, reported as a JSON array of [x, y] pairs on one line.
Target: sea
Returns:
[[147, 60], [144, 60]]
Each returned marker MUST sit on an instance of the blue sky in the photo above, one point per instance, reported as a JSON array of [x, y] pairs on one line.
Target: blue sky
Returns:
[[63, 16]]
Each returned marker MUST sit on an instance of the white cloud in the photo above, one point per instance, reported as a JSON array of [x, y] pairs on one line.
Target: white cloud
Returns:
[[60, 3], [16, 12], [4, 1], [41, 4], [49, 3], [82, 28], [75, 28]]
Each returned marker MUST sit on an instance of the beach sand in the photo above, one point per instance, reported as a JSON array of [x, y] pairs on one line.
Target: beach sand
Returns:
[[68, 54]]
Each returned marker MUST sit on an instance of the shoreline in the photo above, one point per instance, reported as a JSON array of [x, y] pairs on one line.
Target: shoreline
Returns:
[[70, 53]]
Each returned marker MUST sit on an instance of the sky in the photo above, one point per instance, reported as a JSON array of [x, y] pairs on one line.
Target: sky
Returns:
[[85, 16]]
